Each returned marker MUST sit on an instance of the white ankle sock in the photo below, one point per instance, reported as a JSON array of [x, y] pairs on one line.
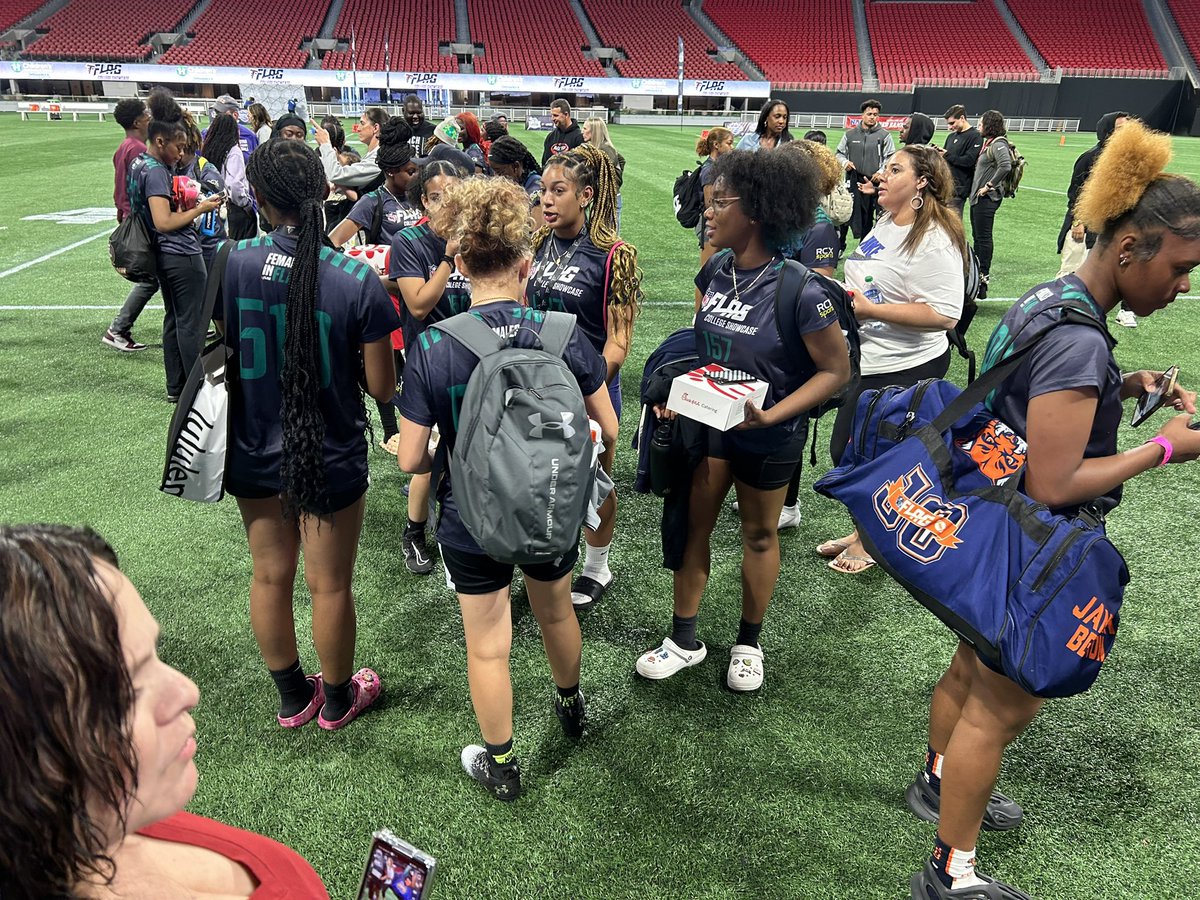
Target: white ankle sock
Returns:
[[595, 563], [962, 869]]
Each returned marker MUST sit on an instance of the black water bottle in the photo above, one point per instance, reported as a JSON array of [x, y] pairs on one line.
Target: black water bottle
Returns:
[[660, 458]]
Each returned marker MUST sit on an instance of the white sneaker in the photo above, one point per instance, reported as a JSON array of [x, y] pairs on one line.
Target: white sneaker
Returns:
[[745, 672], [667, 659], [1126, 318], [737, 510], [789, 517]]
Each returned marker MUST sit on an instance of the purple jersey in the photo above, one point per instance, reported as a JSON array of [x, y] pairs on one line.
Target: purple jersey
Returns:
[[435, 378], [738, 330], [352, 309], [416, 253], [570, 276]]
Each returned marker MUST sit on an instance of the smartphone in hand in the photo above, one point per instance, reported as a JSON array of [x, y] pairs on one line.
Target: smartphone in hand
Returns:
[[1151, 401]]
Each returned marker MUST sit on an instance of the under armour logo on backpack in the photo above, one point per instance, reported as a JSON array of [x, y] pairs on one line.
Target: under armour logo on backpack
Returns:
[[540, 427]]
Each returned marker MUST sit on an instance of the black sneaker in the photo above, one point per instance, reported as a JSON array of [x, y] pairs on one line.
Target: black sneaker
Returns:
[[571, 717], [502, 782], [925, 885], [1002, 814], [416, 553]]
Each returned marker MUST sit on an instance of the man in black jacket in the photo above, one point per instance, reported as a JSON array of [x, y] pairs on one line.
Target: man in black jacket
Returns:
[[565, 135], [961, 152]]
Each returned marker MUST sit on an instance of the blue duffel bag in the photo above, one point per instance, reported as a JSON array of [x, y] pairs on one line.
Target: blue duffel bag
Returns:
[[932, 481]]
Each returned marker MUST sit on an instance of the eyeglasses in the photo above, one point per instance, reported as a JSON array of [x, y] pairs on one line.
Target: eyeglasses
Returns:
[[720, 204]]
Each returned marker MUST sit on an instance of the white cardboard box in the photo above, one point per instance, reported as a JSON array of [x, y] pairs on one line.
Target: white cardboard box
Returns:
[[722, 406]]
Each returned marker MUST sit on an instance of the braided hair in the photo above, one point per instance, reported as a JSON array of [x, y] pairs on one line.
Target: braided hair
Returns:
[[428, 172], [507, 151], [395, 151], [337, 134], [289, 175], [222, 137], [589, 166]]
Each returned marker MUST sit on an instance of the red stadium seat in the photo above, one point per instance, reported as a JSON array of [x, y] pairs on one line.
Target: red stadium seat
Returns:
[[13, 11], [1103, 35], [262, 33], [413, 31], [528, 37], [654, 52], [107, 29]]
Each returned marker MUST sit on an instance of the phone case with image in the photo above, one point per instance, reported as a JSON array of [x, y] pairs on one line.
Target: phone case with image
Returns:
[[396, 870]]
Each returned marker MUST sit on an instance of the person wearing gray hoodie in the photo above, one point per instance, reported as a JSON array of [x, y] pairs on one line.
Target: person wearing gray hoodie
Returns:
[[862, 152]]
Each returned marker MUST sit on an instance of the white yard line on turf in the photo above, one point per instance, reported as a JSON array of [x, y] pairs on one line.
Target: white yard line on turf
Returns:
[[59, 252], [1026, 187], [12, 308]]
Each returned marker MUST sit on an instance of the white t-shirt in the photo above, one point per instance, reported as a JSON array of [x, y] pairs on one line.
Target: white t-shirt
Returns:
[[932, 273]]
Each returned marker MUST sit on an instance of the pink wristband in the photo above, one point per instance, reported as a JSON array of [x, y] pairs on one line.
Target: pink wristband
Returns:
[[1167, 448]]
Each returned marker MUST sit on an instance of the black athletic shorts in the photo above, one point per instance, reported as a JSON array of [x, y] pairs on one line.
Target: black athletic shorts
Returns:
[[475, 573], [764, 473], [338, 500]]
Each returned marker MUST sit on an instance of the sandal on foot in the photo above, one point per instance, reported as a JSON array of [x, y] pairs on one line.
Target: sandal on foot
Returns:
[[745, 672], [1001, 814], [926, 885], [668, 658], [832, 549], [314, 705], [586, 592], [845, 559], [391, 445], [366, 687]]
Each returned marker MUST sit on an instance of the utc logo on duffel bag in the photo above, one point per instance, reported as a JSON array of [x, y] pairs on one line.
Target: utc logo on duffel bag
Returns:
[[926, 526], [540, 427]]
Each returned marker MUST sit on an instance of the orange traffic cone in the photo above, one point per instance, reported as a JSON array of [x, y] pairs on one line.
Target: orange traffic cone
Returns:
[[1062, 140]]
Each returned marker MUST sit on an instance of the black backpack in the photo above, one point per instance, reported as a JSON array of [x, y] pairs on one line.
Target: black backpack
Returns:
[[688, 196], [131, 249], [792, 280]]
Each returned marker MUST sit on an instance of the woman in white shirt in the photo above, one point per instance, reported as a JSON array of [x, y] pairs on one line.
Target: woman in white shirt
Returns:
[[907, 276]]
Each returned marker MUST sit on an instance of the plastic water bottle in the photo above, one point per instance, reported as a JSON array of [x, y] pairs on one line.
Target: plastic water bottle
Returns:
[[875, 295]]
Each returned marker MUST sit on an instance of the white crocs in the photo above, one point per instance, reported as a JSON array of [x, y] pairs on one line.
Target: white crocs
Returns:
[[668, 658], [745, 671]]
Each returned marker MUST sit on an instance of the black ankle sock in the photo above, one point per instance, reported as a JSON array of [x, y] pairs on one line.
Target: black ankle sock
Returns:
[[748, 633], [412, 529], [295, 690], [338, 700], [501, 754], [793, 491], [683, 632], [387, 418], [568, 696]]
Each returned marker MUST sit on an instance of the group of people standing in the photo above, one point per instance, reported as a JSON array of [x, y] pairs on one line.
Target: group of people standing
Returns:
[[309, 330]]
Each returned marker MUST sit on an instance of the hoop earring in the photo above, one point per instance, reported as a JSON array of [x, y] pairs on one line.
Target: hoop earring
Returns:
[[917, 202]]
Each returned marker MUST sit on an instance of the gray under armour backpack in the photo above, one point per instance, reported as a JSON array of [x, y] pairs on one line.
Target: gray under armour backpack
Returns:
[[521, 468]]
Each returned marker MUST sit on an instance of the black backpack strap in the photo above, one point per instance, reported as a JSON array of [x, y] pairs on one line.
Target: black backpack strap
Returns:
[[376, 219], [792, 279], [470, 331], [556, 332], [977, 392]]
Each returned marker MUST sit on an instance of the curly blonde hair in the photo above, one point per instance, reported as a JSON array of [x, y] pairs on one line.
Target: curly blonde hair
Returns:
[[490, 219], [828, 167], [1128, 188], [588, 166]]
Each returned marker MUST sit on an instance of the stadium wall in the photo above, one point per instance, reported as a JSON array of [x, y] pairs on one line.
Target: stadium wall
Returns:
[[1165, 105]]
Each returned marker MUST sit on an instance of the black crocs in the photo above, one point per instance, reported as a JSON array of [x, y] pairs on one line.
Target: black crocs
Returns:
[[1002, 814], [586, 592], [926, 885]]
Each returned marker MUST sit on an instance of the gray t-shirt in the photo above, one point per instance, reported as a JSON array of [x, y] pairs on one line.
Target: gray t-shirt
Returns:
[[1070, 356]]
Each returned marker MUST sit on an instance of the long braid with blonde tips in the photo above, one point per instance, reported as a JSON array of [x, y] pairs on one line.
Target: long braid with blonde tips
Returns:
[[589, 166]]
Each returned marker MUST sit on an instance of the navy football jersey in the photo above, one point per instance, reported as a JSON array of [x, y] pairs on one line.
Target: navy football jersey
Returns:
[[397, 214], [435, 379], [739, 331], [416, 253], [150, 178], [210, 226], [352, 309], [819, 246], [569, 276]]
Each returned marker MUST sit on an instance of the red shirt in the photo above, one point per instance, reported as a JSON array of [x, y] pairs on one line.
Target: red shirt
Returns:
[[130, 149], [281, 872]]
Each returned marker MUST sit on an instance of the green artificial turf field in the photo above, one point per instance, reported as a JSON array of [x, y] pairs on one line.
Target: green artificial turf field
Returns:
[[679, 788]]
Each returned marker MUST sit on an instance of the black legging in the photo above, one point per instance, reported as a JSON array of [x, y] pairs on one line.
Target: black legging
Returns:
[[935, 368], [983, 216]]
